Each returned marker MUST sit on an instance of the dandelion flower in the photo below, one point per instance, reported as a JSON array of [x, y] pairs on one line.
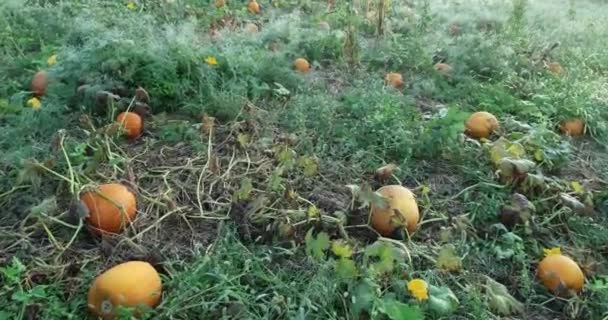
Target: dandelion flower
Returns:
[[34, 103], [52, 60], [419, 289], [551, 251], [212, 61], [131, 5]]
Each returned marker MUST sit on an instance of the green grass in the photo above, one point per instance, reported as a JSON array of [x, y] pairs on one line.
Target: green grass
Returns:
[[267, 217]]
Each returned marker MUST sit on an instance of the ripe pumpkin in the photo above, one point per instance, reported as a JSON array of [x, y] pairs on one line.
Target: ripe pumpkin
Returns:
[[254, 7], [131, 122], [402, 209], [555, 68], [394, 79], [302, 65], [443, 68], [111, 207], [129, 284], [39, 84], [481, 125], [558, 273], [573, 127]]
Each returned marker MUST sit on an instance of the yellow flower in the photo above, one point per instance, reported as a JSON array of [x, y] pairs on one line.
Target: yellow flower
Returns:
[[551, 251], [131, 5], [52, 60], [34, 103], [419, 289], [212, 61]]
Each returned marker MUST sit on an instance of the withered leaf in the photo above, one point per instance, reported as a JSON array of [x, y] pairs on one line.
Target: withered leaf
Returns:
[[386, 171], [142, 95]]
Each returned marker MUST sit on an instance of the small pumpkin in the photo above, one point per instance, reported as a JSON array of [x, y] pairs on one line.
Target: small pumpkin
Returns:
[[481, 125], [559, 273], [39, 84], [131, 123], [111, 207], [394, 79], [302, 65], [131, 284], [253, 7], [573, 127], [555, 68], [401, 211], [443, 68]]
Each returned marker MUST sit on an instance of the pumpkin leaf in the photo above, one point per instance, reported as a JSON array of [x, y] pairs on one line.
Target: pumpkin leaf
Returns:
[[442, 301], [243, 140], [367, 197], [245, 189], [362, 297], [577, 187], [448, 260], [512, 168], [285, 156], [396, 310], [276, 180], [309, 166], [316, 246], [313, 212], [500, 300], [345, 268], [341, 249], [386, 255]]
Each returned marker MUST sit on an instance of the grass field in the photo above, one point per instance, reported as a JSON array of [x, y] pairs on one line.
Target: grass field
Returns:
[[254, 182]]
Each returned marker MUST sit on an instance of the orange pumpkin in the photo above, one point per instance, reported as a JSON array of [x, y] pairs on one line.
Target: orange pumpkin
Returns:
[[443, 68], [402, 211], [253, 7], [560, 273], [131, 284], [555, 68], [481, 125], [573, 127], [394, 79], [302, 65], [39, 84], [111, 207], [131, 123]]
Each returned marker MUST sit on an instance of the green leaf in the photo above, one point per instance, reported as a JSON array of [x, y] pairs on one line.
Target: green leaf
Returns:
[[346, 268], [442, 301], [276, 180], [341, 249], [245, 189], [386, 255], [448, 260], [500, 300], [577, 187], [316, 246], [362, 298], [309, 166], [396, 310], [367, 197], [243, 140]]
